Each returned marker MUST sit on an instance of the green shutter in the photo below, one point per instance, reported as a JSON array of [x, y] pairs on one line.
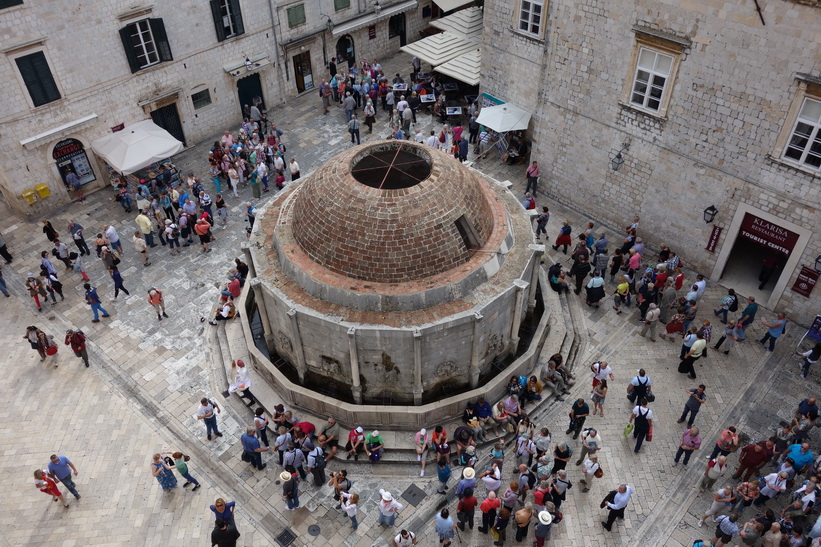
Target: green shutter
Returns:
[[38, 79], [296, 15], [341, 4], [130, 54], [236, 15], [160, 39], [217, 15]]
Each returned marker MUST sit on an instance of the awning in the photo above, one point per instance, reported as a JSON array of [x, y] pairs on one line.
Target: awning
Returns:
[[238, 68], [36, 139], [372, 18], [449, 5], [465, 68], [136, 146], [467, 22], [503, 118], [439, 48]]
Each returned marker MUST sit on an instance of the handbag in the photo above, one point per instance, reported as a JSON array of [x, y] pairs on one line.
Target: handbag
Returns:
[[650, 396], [650, 434], [599, 473], [494, 532], [51, 350], [628, 429]]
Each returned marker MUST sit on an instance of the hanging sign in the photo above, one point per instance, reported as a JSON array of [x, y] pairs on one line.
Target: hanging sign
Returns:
[[805, 281], [713, 241]]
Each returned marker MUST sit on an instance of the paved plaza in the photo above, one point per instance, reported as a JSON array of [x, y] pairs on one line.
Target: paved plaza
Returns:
[[146, 377]]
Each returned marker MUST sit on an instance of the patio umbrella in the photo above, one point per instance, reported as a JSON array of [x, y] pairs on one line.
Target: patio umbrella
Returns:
[[136, 146], [504, 117]]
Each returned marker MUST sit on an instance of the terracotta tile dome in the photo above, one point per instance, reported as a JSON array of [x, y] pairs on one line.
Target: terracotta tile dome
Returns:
[[391, 212]]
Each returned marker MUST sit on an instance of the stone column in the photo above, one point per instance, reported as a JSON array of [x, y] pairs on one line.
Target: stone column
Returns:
[[518, 302], [298, 351], [356, 385], [476, 353], [417, 367], [246, 250], [259, 300], [538, 253]]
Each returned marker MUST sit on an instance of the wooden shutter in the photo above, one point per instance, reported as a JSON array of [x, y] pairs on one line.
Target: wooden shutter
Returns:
[[216, 12], [296, 15], [38, 79], [236, 15], [130, 54], [160, 39]]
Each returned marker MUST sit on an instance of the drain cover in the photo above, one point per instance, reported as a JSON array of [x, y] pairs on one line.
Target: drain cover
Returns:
[[313, 529], [287, 537], [413, 495]]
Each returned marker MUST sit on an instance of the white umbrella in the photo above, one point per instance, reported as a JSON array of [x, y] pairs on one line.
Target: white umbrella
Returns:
[[136, 146], [504, 117]]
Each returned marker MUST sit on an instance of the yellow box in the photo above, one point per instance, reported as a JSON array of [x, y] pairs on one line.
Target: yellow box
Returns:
[[42, 190], [30, 196]]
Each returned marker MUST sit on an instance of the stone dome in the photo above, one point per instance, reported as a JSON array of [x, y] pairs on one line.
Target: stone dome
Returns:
[[391, 212]]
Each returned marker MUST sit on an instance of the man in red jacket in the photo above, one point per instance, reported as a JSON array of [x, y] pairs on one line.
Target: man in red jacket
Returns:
[[753, 457], [77, 340]]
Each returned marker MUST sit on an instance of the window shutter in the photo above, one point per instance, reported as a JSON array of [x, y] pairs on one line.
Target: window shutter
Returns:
[[9, 3], [130, 54], [215, 12], [236, 15], [296, 15], [38, 79], [160, 39]]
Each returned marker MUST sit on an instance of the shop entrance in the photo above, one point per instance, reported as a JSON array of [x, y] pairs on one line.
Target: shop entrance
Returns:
[[396, 27], [302, 71], [758, 257], [345, 52], [168, 118], [71, 157], [249, 90]]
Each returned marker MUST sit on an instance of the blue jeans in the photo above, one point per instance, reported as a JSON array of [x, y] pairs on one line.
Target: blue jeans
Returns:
[[772, 340], [149, 239], [740, 330], [96, 308], [387, 520], [685, 453], [293, 499], [68, 483], [354, 522], [189, 478], [805, 367], [211, 425], [3, 288], [688, 410], [126, 203], [723, 313]]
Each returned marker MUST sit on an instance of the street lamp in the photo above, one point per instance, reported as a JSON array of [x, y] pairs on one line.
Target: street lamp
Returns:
[[377, 8], [248, 64], [617, 161], [710, 214], [329, 25]]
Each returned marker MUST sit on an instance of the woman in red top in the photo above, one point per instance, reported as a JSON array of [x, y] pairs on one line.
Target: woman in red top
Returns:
[[44, 484]]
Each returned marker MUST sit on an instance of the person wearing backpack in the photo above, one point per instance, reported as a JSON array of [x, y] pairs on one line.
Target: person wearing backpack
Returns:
[[638, 387], [77, 340], [591, 470], [728, 304], [563, 239], [316, 465]]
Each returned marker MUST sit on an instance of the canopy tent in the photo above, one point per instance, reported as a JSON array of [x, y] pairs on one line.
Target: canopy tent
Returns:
[[136, 146], [439, 48], [504, 118], [466, 22], [465, 68], [449, 5]]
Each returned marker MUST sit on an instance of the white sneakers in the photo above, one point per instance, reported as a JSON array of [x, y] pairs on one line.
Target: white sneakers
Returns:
[[422, 473], [700, 523]]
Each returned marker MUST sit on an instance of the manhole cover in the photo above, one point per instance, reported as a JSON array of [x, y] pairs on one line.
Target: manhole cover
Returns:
[[413, 495], [313, 529], [287, 537]]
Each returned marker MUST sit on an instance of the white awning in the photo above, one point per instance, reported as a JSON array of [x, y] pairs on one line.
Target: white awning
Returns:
[[371, 18], [465, 68], [448, 5], [238, 68], [36, 139], [504, 117], [439, 48], [467, 22], [136, 146]]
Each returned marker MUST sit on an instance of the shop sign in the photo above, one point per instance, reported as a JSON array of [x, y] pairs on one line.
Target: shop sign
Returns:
[[805, 281], [70, 155], [713, 241], [371, 32], [67, 148], [767, 234], [815, 329]]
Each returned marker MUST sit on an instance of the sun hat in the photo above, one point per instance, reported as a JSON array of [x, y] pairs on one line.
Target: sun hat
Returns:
[[285, 476], [545, 517], [468, 473]]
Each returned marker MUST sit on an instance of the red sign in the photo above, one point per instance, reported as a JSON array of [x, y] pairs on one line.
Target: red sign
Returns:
[[118, 128], [767, 234], [713, 241], [66, 148], [371, 32], [805, 281]]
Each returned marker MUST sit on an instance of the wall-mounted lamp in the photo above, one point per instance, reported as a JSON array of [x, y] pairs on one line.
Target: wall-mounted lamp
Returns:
[[617, 161], [329, 25], [248, 64], [818, 264], [710, 214], [377, 8]]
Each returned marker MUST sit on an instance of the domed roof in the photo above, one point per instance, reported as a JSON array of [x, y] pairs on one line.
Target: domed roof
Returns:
[[391, 212]]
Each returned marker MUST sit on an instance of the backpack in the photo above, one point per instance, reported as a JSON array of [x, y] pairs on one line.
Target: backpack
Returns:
[[734, 305], [175, 231], [531, 479], [319, 460]]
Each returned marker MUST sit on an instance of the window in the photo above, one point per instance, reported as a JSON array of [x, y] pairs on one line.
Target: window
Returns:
[[227, 18], [341, 4], [201, 99], [468, 233], [9, 3], [145, 43], [652, 73], [530, 16], [296, 15], [38, 79], [804, 145]]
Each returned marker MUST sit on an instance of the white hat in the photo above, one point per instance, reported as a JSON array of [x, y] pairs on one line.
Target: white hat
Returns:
[[468, 473], [359, 429], [470, 450], [285, 475], [375, 433], [545, 517], [423, 431], [386, 496]]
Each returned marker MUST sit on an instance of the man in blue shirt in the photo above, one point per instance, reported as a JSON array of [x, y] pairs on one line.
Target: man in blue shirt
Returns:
[[93, 300], [484, 413], [251, 445], [774, 330], [60, 468], [801, 455]]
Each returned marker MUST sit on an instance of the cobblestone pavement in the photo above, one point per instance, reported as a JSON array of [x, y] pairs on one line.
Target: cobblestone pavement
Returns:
[[146, 377]]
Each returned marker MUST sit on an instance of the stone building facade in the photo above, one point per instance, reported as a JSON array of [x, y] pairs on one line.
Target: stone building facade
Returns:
[[708, 106], [69, 78]]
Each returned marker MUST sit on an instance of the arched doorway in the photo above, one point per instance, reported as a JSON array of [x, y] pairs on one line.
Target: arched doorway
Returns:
[[70, 157], [396, 27], [345, 52]]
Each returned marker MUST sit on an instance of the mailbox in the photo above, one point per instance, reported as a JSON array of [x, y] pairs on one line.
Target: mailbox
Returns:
[[30, 196], [42, 191]]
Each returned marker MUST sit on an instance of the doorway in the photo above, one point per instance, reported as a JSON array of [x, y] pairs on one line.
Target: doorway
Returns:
[[396, 27], [249, 90], [745, 269], [168, 117], [345, 51], [302, 71]]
